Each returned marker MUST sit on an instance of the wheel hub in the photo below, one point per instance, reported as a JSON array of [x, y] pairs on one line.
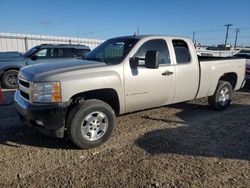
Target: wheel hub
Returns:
[[94, 126], [224, 96], [12, 79], [94, 123]]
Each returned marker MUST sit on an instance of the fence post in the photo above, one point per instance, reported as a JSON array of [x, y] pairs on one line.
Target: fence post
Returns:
[[26, 44]]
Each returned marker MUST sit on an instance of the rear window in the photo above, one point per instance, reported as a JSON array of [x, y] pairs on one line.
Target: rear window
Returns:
[[182, 52], [68, 52]]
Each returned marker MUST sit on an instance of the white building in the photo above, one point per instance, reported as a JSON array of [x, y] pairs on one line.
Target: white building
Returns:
[[23, 42]]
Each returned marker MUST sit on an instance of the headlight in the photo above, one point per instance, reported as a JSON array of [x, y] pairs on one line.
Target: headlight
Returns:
[[46, 92]]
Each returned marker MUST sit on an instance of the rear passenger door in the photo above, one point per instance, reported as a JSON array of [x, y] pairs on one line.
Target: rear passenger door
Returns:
[[187, 71]]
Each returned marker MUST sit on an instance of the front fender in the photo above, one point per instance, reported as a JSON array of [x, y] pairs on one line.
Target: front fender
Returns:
[[94, 81]]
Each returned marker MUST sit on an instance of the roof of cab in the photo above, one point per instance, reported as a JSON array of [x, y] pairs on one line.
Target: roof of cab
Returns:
[[145, 36], [76, 46]]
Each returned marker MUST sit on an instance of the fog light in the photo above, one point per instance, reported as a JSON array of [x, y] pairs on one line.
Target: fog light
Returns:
[[38, 122]]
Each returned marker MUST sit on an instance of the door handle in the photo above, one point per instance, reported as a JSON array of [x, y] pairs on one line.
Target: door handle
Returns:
[[167, 73]]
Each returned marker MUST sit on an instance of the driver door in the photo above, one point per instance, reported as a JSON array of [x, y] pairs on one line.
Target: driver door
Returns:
[[148, 88], [42, 56]]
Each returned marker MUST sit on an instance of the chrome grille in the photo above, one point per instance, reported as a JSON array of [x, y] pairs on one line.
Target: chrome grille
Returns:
[[24, 88], [24, 83]]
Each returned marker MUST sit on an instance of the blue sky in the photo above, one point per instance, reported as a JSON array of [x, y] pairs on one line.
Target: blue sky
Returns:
[[104, 19]]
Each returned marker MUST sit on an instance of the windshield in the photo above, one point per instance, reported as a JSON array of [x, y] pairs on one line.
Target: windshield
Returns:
[[112, 51], [31, 51]]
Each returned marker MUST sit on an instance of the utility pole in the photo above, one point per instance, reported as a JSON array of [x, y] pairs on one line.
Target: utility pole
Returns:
[[194, 37], [227, 25], [236, 38], [138, 30]]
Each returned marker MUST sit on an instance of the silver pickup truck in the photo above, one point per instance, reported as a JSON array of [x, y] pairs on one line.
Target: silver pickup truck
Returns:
[[122, 75]]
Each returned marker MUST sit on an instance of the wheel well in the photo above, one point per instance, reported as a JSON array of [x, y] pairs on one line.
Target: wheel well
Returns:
[[231, 78], [10, 68], [109, 96]]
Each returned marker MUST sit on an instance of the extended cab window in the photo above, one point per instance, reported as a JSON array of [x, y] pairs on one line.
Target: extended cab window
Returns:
[[158, 45], [182, 52]]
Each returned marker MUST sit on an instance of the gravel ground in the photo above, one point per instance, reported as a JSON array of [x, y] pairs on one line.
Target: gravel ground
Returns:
[[183, 145]]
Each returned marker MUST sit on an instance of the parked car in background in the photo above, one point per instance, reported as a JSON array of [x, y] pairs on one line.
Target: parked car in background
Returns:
[[1, 96], [45, 53], [6, 55], [247, 57]]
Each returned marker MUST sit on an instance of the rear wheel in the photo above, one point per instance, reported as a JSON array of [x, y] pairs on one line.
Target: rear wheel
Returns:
[[91, 123], [9, 79], [222, 96]]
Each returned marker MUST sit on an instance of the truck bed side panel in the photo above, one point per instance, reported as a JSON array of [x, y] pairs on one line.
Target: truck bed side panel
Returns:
[[212, 71]]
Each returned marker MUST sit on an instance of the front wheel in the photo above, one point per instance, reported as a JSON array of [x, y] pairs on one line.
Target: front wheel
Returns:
[[91, 123], [222, 96], [9, 79]]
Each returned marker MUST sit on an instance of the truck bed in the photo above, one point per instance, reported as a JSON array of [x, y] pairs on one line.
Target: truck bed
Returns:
[[212, 69]]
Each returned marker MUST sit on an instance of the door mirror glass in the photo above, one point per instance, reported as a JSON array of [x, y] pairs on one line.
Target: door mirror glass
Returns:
[[152, 59]]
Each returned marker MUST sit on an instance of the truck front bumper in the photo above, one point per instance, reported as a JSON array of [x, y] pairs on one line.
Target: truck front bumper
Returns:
[[49, 119]]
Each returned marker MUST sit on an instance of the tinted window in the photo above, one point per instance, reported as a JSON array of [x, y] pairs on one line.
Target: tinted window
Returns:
[[158, 45], [61, 52], [65, 52], [80, 52], [182, 53]]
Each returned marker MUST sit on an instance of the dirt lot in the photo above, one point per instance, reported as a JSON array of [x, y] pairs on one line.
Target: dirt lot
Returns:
[[183, 145]]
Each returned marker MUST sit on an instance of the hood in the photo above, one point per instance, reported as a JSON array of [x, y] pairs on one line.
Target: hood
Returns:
[[11, 58], [36, 72]]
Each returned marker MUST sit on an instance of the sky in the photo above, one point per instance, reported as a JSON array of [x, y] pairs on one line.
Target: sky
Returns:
[[104, 19]]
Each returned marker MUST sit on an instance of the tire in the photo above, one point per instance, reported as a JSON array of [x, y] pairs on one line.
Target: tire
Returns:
[[9, 79], [222, 96], [90, 123]]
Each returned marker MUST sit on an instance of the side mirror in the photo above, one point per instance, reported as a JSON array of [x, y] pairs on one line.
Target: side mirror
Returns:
[[152, 59], [34, 57], [134, 61]]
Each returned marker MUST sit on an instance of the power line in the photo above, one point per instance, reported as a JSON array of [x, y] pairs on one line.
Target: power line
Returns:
[[209, 31], [244, 28]]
